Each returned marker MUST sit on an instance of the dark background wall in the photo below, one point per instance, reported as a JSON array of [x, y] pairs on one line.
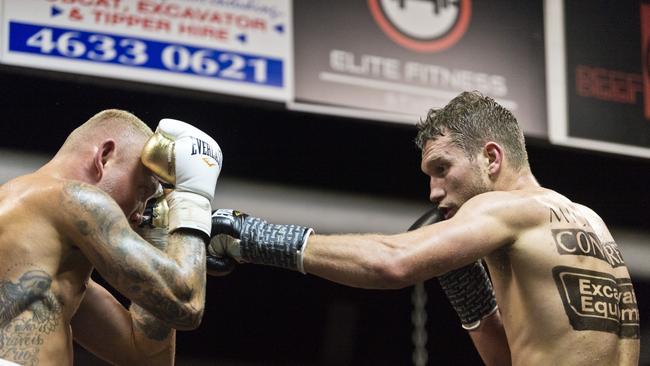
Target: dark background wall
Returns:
[[265, 316]]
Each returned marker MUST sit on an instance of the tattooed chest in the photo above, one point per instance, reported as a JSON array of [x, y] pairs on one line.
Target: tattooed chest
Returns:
[[29, 312]]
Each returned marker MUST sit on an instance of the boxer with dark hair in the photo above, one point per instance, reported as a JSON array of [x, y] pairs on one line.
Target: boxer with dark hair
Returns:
[[563, 291], [78, 213]]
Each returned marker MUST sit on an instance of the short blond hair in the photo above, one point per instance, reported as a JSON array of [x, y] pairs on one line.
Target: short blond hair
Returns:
[[113, 123]]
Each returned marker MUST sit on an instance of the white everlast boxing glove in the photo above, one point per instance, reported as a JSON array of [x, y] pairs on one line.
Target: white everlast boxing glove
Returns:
[[190, 160]]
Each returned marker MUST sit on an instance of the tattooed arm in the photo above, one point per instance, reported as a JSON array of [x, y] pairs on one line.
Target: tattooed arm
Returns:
[[170, 285], [149, 333], [132, 337], [136, 336]]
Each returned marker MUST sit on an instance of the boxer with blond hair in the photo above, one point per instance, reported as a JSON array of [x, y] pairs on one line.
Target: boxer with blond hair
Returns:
[[78, 213]]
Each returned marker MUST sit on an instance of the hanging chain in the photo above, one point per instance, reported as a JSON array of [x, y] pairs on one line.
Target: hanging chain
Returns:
[[419, 321]]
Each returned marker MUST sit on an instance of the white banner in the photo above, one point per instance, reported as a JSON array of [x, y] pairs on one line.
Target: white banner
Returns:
[[239, 47]]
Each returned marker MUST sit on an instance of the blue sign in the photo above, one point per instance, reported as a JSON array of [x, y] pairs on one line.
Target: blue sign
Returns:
[[104, 48]]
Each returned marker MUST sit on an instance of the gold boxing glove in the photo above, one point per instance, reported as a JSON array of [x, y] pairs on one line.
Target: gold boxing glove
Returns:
[[187, 158]]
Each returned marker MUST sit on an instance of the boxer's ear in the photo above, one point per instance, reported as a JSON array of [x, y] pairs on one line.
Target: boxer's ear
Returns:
[[105, 151], [494, 154]]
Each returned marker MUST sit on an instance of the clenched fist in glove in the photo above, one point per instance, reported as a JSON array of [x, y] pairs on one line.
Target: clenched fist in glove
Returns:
[[252, 240]]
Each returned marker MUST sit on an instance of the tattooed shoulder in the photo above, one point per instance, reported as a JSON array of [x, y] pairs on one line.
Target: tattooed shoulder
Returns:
[[91, 210], [78, 195]]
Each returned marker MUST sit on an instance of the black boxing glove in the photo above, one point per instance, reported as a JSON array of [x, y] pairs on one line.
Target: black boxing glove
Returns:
[[218, 265], [468, 288], [430, 217], [252, 240]]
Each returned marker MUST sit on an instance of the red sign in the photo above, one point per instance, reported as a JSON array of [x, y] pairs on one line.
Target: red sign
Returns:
[[645, 49]]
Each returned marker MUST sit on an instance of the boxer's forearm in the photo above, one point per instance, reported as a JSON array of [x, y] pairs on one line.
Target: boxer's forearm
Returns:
[[185, 272], [171, 286], [184, 276], [154, 340], [383, 261], [491, 342], [185, 248], [365, 261]]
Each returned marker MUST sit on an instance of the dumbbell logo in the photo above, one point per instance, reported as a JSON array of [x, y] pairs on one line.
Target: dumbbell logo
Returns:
[[422, 25]]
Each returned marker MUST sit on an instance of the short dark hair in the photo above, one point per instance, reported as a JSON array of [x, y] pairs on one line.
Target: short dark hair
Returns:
[[472, 119]]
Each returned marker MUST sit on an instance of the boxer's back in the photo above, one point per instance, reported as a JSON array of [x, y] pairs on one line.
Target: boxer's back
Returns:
[[42, 275], [564, 290]]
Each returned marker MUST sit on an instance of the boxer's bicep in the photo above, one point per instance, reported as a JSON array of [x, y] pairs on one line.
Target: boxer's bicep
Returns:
[[491, 342], [141, 272], [396, 261], [475, 231], [105, 328], [99, 228], [451, 244], [102, 326], [154, 340]]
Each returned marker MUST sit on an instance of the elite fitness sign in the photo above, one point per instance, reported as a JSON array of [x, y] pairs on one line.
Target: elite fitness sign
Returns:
[[392, 60]]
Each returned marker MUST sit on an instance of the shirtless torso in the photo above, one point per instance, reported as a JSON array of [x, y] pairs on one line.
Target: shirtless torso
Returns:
[[44, 274], [77, 214], [564, 292]]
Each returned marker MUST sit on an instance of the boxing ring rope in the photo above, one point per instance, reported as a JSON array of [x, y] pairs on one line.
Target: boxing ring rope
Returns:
[[419, 336]]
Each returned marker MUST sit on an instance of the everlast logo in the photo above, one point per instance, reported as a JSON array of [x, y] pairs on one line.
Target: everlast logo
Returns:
[[598, 301], [580, 242], [203, 148]]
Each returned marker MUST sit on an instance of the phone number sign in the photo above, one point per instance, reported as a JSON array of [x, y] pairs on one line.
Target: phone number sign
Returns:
[[232, 47]]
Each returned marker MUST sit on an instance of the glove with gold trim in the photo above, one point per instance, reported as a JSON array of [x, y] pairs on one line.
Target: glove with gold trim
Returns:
[[188, 159]]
